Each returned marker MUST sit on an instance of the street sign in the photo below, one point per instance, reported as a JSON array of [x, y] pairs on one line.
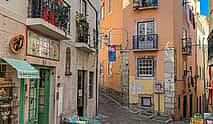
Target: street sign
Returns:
[[159, 86], [112, 53]]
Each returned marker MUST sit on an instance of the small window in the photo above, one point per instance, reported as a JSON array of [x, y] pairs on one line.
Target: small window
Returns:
[[68, 62], [110, 6], [102, 68], [102, 11], [179, 103], [184, 69], [84, 7], [146, 101], [200, 71], [110, 37], [101, 42], [145, 67], [91, 83], [110, 69], [94, 37], [190, 69]]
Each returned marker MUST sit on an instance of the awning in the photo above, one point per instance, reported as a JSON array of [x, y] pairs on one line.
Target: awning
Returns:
[[23, 68]]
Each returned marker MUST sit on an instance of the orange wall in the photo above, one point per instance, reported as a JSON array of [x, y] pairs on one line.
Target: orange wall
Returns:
[[112, 21]]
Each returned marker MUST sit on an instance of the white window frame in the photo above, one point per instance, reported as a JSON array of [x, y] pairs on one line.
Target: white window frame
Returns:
[[110, 4], [138, 69], [102, 11], [81, 8], [110, 37], [102, 69], [109, 69]]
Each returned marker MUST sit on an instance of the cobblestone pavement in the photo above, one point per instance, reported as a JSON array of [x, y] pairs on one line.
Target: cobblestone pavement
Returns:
[[112, 113]]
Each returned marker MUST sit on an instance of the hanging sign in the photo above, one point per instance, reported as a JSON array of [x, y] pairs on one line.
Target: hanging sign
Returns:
[[112, 53], [41, 46], [159, 87], [17, 43]]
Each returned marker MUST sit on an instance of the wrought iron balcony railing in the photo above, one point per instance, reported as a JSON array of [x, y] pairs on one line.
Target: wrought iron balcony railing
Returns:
[[142, 4], [145, 42], [82, 31], [186, 46], [56, 12]]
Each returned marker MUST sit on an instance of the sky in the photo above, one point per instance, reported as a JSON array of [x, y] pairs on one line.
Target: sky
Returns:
[[204, 7]]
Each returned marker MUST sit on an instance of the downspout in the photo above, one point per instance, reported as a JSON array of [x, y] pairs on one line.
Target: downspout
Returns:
[[97, 51]]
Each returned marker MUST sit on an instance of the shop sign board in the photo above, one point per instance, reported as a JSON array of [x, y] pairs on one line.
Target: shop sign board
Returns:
[[197, 121], [17, 43], [159, 86], [41, 46]]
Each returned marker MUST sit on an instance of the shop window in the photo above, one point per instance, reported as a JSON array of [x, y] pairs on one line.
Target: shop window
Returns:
[[2, 70], [68, 61], [91, 83], [145, 67], [146, 101]]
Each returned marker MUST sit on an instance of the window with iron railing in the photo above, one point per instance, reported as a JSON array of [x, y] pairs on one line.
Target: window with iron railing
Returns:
[[141, 4], [82, 27], [186, 46], [55, 12], [146, 37]]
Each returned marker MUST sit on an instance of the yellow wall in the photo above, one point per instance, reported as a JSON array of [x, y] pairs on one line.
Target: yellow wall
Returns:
[[147, 88]]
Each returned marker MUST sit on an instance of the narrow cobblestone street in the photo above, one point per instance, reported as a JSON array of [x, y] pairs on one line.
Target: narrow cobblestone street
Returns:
[[112, 113]]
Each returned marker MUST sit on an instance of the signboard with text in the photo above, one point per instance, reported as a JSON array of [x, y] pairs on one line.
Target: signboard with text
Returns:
[[159, 86], [43, 47]]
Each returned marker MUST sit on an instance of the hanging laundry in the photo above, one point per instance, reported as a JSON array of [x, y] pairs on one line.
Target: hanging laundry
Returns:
[[136, 4]]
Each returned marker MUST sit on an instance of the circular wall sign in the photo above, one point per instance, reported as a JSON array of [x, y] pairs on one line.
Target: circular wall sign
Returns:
[[17, 43]]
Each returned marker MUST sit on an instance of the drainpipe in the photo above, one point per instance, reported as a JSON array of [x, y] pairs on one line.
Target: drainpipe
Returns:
[[97, 51]]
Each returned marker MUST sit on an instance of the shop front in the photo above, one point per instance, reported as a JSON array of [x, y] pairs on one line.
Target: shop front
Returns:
[[13, 77], [43, 53]]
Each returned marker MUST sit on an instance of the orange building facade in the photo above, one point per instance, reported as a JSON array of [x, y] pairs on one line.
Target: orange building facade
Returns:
[[155, 65]]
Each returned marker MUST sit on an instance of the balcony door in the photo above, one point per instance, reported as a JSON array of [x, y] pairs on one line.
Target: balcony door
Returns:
[[145, 34]]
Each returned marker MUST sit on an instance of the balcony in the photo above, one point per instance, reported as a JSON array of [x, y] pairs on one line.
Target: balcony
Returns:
[[145, 42], [186, 46], [144, 4], [50, 18], [83, 37]]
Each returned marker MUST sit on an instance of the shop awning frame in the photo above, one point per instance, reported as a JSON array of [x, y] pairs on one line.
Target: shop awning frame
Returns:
[[23, 68]]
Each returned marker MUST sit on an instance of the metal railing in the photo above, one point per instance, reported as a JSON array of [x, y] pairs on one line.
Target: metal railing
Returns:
[[55, 12], [140, 4], [187, 46], [145, 42], [83, 31]]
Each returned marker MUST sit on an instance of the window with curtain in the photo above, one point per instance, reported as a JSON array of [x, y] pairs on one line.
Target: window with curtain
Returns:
[[68, 61]]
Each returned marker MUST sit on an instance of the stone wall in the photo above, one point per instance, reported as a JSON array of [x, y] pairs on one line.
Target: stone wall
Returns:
[[169, 79], [125, 75]]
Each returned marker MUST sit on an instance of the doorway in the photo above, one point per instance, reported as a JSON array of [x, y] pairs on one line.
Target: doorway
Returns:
[[80, 92], [43, 99], [184, 106], [191, 104]]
